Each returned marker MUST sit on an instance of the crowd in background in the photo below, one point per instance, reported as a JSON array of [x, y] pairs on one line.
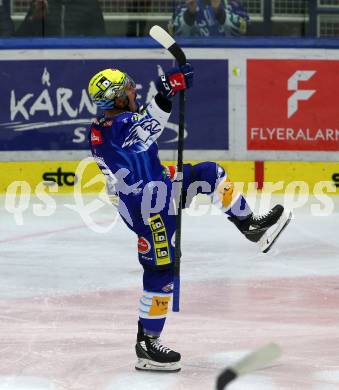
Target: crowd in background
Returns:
[[55, 18], [46, 18], [187, 18], [210, 18], [6, 23]]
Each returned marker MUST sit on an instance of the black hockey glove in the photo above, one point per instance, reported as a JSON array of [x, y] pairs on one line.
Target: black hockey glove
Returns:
[[176, 79]]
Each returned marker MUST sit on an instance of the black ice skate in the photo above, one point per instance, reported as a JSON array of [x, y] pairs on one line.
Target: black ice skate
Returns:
[[153, 356], [264, 229]]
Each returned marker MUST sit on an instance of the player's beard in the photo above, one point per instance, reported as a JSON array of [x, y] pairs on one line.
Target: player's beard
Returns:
[[132, 101], [129, 103], [133, 104]]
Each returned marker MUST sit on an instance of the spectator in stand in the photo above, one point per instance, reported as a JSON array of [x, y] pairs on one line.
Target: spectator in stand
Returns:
[[206, 18], [6, 23], [46, 18]]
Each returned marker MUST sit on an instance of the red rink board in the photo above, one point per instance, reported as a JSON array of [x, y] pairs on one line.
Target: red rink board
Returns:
[[274, 87]]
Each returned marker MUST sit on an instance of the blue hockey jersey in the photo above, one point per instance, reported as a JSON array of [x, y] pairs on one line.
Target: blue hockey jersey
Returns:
[[206, 24], [125, 149]]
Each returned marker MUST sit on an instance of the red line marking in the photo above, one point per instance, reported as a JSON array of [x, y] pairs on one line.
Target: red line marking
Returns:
[[46, 233], [259, 174]]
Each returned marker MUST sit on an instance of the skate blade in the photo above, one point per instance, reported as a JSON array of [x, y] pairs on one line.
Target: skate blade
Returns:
[[150, 365], [269, 238]]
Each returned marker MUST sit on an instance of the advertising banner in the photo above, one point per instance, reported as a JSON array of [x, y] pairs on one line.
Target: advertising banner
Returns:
[[63, 177], [45, 104], [292, 105]]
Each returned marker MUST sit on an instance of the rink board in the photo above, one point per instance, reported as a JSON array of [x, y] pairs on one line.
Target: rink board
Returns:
[[62, 177], [52, 111], [248, 102]]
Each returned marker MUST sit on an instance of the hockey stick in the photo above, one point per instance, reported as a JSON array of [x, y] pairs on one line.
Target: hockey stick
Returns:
[[165, 40], [253, 361]]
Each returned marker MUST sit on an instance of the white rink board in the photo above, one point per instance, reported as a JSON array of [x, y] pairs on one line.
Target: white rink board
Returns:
[[237, 97]]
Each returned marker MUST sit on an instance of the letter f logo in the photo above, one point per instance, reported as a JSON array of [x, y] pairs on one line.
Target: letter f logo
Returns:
[[299, 94]]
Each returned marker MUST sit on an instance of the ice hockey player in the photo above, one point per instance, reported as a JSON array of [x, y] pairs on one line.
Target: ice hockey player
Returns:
[[123, 143]]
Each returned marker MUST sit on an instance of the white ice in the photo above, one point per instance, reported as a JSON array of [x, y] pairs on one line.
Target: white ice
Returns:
[[69, 298]]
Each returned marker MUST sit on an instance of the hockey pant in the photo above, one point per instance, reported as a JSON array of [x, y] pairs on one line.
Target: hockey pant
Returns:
[[157, 242]]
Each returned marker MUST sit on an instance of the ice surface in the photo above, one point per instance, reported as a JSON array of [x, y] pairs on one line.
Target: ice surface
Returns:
[[69, 297]]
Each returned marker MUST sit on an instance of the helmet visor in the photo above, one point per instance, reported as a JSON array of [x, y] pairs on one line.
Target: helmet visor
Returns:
[[127, 84]]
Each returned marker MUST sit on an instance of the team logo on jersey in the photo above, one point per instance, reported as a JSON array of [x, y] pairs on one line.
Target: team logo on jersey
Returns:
[[142, 131], [96, 137], [143, 245], [151, 125]]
